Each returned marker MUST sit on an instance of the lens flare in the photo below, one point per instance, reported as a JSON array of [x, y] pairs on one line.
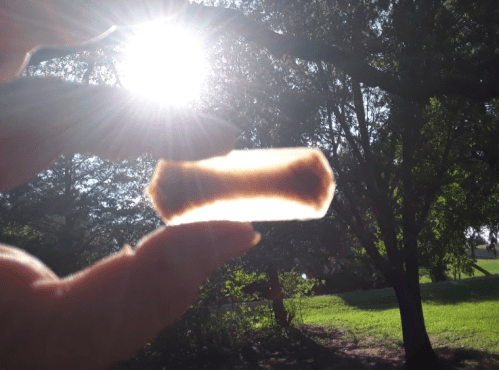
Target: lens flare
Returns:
[[164, 63]]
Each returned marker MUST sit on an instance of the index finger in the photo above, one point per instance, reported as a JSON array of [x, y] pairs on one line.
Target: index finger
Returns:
[[42, 118], [113, 307]]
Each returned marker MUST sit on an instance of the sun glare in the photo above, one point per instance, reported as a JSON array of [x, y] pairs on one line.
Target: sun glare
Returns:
[[164, 63]]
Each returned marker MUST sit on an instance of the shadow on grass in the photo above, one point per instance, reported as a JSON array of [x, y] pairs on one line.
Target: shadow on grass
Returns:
[[484, 288], [322, 348], [313, 347], [467, 359]]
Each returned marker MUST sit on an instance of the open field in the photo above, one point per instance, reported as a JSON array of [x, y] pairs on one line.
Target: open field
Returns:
[[491, 265], [360, 330], [458, 314]]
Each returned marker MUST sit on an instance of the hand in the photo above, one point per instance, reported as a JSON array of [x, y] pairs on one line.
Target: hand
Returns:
[[106, 312], [26, 25], [42, 118]]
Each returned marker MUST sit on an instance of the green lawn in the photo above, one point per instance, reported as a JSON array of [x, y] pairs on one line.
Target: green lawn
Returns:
[[491, 265], [462, 313]]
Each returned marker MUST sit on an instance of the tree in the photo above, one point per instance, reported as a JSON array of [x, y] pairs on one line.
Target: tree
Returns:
[[82, 209], [463, 209], [307, 247], [463, 33], [362, 90]]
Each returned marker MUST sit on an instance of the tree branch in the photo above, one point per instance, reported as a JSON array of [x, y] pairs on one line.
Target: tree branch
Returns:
[[366, 239], [356, 67], [303, 48]]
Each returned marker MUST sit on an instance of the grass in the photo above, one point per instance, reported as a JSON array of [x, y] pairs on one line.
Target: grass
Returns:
[[491, 265], [461, 313]]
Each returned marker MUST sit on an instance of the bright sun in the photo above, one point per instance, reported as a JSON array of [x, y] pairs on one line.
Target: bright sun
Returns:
[[165, 63]]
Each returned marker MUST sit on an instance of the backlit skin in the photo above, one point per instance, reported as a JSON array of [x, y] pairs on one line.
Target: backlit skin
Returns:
[[105, 313], [25, 24], [42, 118], [108, 311]]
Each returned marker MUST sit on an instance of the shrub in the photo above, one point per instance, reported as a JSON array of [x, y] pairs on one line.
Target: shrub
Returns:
[[294, 288]]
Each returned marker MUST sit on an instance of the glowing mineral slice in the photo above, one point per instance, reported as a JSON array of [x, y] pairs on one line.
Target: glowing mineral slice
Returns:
[[245, 185]]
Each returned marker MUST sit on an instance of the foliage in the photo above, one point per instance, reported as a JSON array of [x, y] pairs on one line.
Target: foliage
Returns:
[[386, 102], [463, 207], [217, 326], [295, 287], [458, 315], [203, 336], [237, 279], [209, 332], [402, 98], [26, 238], [80, 209], [489, 265]]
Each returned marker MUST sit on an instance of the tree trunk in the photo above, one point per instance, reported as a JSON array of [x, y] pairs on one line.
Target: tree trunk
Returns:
[[280, 313], [418, 350]]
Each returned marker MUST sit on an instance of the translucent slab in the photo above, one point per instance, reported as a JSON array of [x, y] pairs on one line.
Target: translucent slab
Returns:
[[245, 185]]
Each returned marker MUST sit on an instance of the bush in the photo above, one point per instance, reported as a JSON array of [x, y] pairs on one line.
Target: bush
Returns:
[[294, 288], [220, 325]]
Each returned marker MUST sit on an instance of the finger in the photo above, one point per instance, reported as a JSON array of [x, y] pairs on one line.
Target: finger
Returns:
[[197, 249], [25, 25], [20, 269], [105, 313], [41, 119]]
